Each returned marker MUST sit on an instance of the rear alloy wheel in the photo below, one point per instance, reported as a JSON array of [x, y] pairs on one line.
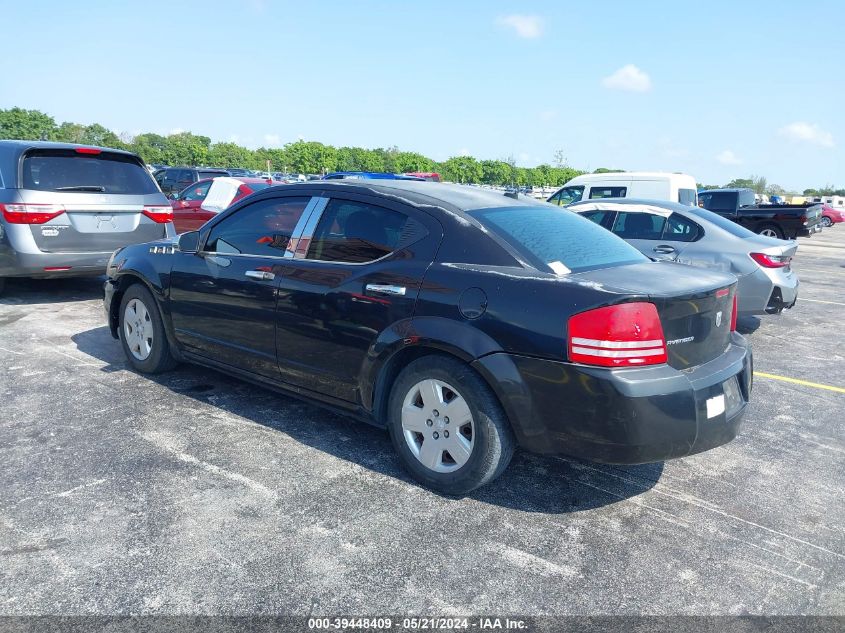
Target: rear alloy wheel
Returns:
[[826, 222], [447, 426], [770, 230], [142, 332]]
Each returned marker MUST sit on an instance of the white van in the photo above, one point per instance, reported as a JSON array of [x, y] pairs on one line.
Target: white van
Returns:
[[632, 184]]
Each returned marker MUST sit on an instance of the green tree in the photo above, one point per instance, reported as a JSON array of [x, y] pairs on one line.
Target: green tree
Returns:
[[96, 134], [17, 123], [495, 172], [605, 170], [741, 183], [463, 169], [411, 161], [229, 155]]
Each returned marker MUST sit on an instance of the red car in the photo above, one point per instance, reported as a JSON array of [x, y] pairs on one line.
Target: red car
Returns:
[[831, 216], [188, 212]]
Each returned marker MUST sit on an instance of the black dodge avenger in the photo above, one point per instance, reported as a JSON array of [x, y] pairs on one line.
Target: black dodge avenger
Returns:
[[464, 321]]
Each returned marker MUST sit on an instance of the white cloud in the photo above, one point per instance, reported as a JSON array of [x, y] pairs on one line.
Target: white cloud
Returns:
[[272, 140], [464, 152], [628, 78], [548, 115], [527, 26], [176, 130], [727, 157], [807, 133]]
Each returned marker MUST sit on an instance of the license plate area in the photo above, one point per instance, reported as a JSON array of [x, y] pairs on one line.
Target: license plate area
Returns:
[[729, 402]]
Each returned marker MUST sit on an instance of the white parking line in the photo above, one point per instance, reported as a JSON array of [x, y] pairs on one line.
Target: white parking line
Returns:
[[834, 303]]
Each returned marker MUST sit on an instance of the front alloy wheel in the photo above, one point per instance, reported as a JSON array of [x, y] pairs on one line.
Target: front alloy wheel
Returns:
[[138, 329]]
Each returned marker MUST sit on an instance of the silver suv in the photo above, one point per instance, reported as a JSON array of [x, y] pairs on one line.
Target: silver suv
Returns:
[[65, 208]]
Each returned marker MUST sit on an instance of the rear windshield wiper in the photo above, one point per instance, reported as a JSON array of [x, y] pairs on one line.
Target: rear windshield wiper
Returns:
[[81, 188]]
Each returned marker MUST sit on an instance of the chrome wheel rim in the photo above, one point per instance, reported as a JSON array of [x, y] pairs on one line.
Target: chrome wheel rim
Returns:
[[138, 329], [769, 233], [437, 425], [826, 221]]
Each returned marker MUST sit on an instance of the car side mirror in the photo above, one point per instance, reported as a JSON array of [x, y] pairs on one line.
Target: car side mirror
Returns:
[[189, 242]]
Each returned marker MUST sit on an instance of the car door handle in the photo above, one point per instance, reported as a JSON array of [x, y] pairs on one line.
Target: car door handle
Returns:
[[664, 249], [263, 275], [386, 289]]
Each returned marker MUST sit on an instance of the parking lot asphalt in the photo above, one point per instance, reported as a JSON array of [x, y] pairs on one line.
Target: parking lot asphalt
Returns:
[[196, 493]]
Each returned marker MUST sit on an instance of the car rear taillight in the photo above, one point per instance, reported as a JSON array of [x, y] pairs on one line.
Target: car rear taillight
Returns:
[[771, 261], [733, 313], [30, 213], [624, 335], [159, 213], [88, 150]]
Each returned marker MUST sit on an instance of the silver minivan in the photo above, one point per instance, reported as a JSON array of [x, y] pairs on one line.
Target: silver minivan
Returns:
[[64, 208]]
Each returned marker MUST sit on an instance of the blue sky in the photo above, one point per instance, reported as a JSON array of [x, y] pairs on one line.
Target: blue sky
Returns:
[[719, 89]]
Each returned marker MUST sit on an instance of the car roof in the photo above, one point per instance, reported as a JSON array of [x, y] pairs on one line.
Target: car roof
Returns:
[[639, 202], [630, 175], [22, 145], [451, 197]]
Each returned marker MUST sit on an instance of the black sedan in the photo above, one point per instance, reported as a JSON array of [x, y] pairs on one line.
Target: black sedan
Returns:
[[464, 321]]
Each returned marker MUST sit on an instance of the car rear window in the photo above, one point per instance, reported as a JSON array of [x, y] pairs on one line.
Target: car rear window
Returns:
[[68, 170], [558, 238], [718, 200], [211, 174], [723, 223]]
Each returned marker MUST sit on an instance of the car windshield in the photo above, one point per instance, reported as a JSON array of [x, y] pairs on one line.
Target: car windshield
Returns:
[[558, 238], [722, 222], [69, 170]]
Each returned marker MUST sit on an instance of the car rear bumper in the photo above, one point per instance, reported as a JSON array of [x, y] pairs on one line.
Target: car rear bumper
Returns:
[[767, 290], [17, 264], [621, 416]]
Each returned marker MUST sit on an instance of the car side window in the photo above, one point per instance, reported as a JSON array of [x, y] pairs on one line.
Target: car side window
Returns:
[[599, 217], [356, 232], [197, 192], [638, 226], [608, 192], [679, 229], [567, 195], [262, 228]]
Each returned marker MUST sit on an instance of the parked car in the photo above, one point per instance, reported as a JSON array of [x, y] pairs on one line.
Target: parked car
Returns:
[[239, 172], [831, 216], [425, 175], [65, 208], [464, 321], [697, 237], [367, 175], [643, 185], [172, 180], [190, 210], [782, 221]]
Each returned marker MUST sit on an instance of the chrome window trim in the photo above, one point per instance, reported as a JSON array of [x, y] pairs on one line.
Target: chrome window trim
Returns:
[[303, 241], [295, 234]]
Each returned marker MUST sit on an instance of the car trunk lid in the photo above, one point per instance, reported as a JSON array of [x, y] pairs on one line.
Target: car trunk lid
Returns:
[[694, 305]]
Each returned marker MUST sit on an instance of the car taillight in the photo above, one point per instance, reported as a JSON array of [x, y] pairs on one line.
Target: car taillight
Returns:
[[88, 150], [30, 213], [733, 313], [624, 335], [159, 213], [771, 261]]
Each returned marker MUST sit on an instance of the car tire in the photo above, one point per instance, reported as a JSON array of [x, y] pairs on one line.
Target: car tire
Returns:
[[770, 230], [480, 436], [142, 332], [826, 222]]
